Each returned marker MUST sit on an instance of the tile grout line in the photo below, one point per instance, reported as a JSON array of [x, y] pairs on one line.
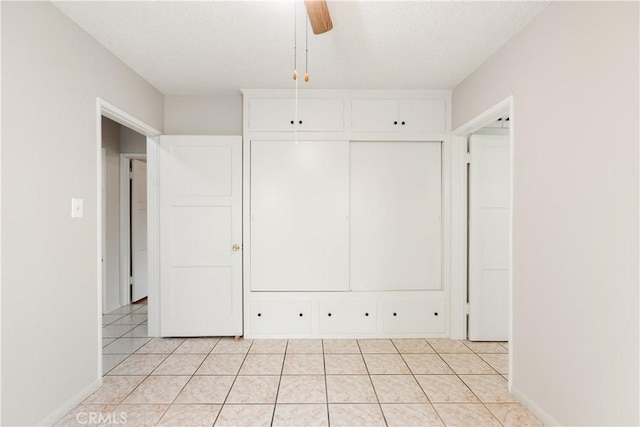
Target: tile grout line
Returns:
[[466, 385], [275, 402], [375, 392], [326, 385], [418, 382], [234, 378]]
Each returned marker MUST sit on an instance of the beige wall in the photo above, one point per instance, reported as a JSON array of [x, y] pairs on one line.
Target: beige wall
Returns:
[[52, 72], [202, 115], [131, 142], [111, 144], [573, 73]]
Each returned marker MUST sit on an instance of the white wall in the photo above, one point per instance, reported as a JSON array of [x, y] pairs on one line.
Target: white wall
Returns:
[[111, 143], [52, 72], [202, 115], [573, 73]]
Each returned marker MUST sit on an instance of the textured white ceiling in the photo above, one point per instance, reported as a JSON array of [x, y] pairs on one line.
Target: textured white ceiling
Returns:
[[218, 47]]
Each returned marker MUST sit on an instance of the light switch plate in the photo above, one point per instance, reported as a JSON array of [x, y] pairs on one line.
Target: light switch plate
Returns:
[[76, 208]]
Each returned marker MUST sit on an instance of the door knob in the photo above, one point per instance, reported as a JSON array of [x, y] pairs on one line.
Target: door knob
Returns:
[[235, 248]]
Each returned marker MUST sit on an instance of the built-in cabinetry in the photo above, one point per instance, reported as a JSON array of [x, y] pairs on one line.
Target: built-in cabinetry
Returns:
[[343, 213]]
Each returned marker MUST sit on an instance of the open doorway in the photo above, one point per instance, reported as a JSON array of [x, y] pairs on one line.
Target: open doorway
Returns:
[[499, 259], [488, 213], [124, 216], [123, 221]]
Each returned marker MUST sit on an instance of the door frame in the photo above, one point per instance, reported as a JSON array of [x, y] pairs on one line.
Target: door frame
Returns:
[[106, 109], [459, 218], [125, 223]]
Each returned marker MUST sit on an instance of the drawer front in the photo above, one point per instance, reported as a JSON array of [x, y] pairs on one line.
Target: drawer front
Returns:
[[279, 115], [280, 317], [347, 317], [413, 317]]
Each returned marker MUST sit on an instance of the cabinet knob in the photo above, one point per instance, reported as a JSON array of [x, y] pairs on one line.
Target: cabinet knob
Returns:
[[329, 314], [366, 314], [435, 314], [259, 314], [291, 121], [299, 121], [402, 123], [300, 314], [395, 123], [395, 314], [235, 248]]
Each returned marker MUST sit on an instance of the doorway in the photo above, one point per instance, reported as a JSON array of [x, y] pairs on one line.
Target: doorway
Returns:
[[127, 135], [134, 281], [460, 307]]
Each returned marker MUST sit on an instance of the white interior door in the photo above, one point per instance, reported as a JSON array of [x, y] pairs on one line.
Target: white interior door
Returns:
[[489, 189], [139, 254], [200, 182]]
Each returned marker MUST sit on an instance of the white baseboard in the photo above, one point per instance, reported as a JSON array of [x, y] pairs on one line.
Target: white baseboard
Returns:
[[64, 409], [536, 410]]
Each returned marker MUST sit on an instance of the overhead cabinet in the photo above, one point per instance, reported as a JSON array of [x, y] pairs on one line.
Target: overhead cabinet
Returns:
[[398, 115], [305, 115]]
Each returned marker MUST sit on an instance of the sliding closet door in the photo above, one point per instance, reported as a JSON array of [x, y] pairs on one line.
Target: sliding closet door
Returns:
[[299, 216], [395, 222]]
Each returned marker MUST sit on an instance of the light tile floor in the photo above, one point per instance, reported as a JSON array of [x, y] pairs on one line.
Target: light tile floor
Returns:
[[218, 381]]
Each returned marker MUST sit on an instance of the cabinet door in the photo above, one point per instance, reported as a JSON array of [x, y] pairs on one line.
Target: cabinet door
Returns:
[[422, 115], [279, 115], [395, 216], [321, 115], [374, 115], [271, 115], [299, 216]]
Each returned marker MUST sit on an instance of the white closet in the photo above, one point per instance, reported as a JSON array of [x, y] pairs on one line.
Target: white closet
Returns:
[[343, 225]]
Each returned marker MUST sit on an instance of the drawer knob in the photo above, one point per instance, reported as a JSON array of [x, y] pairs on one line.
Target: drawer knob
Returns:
[[291, 121], [300, 122], [395, 314], [435, 314], [366, 314], [329, 314], [259, 314], [395, 123], [300, 314], [402, 123]]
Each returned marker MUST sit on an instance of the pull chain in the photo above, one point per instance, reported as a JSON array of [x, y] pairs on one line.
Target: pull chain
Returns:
[[295, 40], [306, 50]]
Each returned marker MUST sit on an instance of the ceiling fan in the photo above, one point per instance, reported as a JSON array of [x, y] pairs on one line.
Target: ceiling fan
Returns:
[[319, 16]]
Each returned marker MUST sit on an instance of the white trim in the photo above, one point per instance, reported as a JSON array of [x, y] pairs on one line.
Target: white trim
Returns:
[[459, 219], [125, 224], [125, 119], [64, 409], [458, 245], [153, 237], [536, 410], [103, 253]]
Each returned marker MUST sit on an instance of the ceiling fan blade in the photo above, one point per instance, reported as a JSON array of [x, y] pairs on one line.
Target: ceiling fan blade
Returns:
[[319, 16]]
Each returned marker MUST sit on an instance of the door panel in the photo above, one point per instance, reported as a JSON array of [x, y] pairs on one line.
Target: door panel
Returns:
[[200, 221], [395, 216], [299, 216], [139, 253], [489, 212]]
